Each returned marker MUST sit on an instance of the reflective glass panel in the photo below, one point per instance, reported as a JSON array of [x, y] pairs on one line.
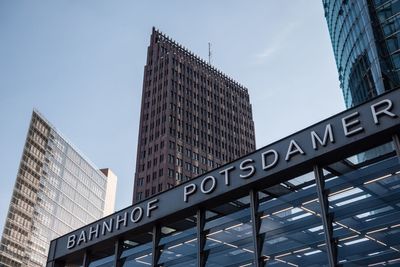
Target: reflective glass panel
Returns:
[[229, 234], [364, 199], [179, 243], [102, 257], [291, 225], [137, 251]]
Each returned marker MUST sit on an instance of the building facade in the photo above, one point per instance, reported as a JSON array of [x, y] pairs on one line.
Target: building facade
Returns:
[[193, 118], [304, 200], [365, 39], [56, 190]]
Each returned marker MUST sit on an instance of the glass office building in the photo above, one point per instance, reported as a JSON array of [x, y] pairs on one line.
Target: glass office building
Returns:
[[302, 201], [56, 190], [365, 39]]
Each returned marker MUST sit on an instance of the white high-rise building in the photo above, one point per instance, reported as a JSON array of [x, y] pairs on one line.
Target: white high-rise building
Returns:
[[56, 190]]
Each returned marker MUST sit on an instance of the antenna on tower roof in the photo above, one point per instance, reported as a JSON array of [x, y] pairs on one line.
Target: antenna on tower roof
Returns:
[[209, 53]]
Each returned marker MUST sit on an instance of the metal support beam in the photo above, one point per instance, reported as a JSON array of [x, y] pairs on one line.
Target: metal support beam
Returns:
[[156, 241], [86, 258], [396, 141], [327, 218], [256, 224], [117, 253], [201, 238]]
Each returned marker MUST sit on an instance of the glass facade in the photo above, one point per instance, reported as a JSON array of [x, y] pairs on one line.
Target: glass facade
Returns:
[[340, 212], [56, 191], [365, 38], [229, 238], [179, 243], [290, 216], [136, 251], [364, 201]]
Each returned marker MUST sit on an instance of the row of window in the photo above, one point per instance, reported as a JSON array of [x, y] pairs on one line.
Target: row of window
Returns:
[[225, 111], [154, 176], [186, 63], [154, 190], [178, 111], [205, 93]]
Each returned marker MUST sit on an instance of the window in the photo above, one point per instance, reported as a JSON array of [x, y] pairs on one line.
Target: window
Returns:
[[179, 148], [195, 169], [170, 159], [210, 163], [188, 166], [140, 182], [171, 145]]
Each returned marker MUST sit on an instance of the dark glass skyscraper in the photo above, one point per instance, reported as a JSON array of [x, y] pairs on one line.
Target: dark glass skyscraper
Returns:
[[365, 38], [193, 118]]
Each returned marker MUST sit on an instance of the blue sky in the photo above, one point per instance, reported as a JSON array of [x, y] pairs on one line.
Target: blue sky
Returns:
[[80, 63]]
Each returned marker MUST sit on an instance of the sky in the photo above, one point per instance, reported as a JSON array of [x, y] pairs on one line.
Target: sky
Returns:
[[80, 63]]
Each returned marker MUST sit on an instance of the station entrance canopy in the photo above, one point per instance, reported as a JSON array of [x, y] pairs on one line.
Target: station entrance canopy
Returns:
[[289, 186]]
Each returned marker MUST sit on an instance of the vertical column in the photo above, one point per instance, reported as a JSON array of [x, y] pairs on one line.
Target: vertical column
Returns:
[[255, 220], [327, 218], [117, 253], [396, 141], [156, 243], [201, 238], [86, 258]]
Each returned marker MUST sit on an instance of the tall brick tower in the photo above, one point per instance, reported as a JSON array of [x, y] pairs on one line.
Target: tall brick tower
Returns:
[[193, 118]]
